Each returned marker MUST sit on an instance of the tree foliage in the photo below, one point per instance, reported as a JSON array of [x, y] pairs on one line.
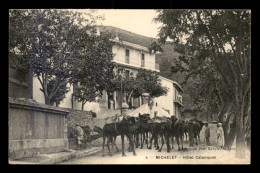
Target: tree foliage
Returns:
[[48, 43], [149, 82], [96, 69], [215, 48], [144, 82]]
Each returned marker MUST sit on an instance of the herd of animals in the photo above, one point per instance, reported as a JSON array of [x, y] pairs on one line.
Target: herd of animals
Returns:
[[149, 131]]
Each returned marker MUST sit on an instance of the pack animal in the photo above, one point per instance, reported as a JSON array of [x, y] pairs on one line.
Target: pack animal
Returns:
[[177, 131], [121, 127]]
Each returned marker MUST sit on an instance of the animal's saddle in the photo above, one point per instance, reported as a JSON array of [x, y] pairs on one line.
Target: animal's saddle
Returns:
[[161, 120], [193, 122], [180, 122], [113, 119]]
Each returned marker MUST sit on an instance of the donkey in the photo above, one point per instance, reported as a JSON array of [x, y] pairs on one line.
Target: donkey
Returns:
[[143, 129], [177, 130], [100, 131], [123, 128], [194, 128]]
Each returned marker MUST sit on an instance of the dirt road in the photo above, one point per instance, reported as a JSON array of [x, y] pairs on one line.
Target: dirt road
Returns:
[[192, 155]]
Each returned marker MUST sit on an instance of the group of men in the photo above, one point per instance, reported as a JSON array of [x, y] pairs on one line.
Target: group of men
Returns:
[[220, 135]]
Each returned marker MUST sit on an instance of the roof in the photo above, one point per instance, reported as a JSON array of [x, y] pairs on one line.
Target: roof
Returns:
[[128, 36], [174, 83], [160, 112], [144, 109]]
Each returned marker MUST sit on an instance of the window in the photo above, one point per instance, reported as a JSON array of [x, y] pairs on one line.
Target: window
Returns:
[[155, 113], [127, 55], [142, 60], [127, 74]]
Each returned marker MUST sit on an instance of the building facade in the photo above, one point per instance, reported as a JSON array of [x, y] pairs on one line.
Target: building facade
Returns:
[[172, 101], [130, 57]]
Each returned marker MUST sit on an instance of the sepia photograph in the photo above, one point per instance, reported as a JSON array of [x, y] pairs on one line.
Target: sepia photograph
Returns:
[[129, 86]]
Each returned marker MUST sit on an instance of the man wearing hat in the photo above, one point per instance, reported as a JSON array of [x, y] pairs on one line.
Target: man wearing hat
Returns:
[[207, 134], [80, 137], [220, 136]]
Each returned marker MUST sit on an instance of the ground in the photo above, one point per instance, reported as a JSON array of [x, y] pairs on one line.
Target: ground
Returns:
[[192, 155]]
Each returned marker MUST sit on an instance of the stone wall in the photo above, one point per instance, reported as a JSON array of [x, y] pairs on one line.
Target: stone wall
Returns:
[[35, 128], [83, 118]]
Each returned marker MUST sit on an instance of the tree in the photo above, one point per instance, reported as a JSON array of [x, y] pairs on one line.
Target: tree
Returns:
[[95, 67], [83, 93], [149, 82], [125, 85], [216, 49], [47, 42], [60, 94], [144, 82]]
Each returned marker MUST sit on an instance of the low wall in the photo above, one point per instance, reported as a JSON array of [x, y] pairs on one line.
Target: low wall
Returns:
[[83, 118], [213, 134], [35, 128]]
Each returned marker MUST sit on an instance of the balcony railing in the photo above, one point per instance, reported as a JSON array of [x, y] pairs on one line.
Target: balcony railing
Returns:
[[178, 100], [157, 66]]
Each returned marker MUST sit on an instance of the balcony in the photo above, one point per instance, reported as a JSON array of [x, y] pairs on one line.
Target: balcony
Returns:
[[178, 100], [157, 66]]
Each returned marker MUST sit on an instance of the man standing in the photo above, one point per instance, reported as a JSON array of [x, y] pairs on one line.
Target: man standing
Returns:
[[80, 137], [207, 134], [220, 136]]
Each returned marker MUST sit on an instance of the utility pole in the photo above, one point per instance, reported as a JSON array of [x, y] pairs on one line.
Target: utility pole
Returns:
[[121, 94], [121, 90]]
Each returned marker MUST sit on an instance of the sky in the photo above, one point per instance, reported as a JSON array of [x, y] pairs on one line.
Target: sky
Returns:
[[136, 21]]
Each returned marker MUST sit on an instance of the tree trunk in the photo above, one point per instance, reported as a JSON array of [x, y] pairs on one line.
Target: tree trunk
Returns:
[[129, 101], [47, 100], [240, 144], [240, 137], [225, 108], [82, 106], [229, 137], [72, 101]]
